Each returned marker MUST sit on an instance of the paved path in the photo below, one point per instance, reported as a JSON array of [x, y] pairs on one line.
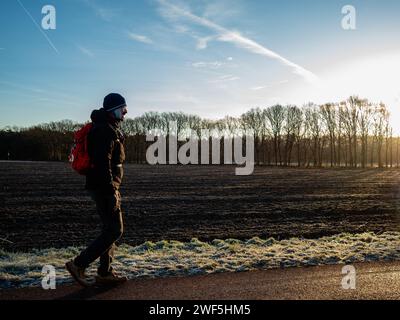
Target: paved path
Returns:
[[373, 281]]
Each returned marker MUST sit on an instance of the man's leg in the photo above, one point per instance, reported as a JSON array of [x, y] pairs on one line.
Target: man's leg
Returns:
[[109, 209], [107, 257]]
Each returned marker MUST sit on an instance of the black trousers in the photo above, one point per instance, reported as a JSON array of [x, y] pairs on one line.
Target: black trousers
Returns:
[[109, 209]]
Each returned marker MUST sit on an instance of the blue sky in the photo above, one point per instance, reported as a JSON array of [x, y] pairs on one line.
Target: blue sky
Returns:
[[207, 57]]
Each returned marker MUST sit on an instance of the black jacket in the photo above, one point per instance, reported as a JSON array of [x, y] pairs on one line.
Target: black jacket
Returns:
[[106, 151]]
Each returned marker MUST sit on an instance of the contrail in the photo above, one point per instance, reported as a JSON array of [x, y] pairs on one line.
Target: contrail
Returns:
[[241, 41], [39, 28]]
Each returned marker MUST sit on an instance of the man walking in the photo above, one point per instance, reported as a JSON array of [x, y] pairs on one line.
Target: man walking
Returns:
[[106, 151]]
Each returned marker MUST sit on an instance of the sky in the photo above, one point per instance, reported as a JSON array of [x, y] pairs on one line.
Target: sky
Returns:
[[206, 57]]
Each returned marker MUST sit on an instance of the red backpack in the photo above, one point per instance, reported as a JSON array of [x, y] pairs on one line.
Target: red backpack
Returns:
[[79, 156]]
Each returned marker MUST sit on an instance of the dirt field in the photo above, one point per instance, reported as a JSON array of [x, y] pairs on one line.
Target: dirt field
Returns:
[[44, 205]]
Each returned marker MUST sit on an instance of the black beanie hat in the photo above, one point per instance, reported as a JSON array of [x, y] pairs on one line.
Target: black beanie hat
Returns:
[[113, 101]]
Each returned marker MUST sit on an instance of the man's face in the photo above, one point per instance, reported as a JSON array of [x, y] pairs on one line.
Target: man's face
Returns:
[[119, 114]]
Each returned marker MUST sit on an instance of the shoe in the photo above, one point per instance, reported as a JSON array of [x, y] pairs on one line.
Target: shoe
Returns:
[[77, 273], [111, 279]]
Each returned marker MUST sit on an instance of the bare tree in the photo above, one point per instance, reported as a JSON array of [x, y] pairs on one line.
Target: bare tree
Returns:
[[314, 118], [350, 113], [292, 130], [380, 117], [364, 121], [253, 120], [329, 115], [276, 118]]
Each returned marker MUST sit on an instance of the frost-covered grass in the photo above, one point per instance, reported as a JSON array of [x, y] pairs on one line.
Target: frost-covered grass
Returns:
[[171, 258]]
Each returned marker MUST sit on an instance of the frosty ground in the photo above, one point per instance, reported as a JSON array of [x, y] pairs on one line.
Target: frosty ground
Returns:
[[174, 258]]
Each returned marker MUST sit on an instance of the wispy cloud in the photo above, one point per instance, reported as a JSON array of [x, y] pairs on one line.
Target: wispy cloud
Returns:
[[202, 43], [37, 93], [140, 38], [222, 9], [106, 14], [22, 87], [259, 88], [269, 85], [181, 28], [86, 51], [172, 11], [225, 78], [211, 65]]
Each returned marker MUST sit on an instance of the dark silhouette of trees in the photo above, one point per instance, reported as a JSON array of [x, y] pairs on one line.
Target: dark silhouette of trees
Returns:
[[352, 133], [46, 142]]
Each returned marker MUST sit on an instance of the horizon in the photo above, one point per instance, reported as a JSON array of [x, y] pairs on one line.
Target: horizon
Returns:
[[208, 58]]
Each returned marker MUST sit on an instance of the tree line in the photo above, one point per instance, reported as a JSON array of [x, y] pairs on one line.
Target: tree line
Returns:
[[351, 133]]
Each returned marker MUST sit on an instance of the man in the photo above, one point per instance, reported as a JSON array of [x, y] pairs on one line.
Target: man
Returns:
[[106, 151]]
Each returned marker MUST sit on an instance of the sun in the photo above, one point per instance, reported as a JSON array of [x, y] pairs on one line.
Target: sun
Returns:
[[374, 77]]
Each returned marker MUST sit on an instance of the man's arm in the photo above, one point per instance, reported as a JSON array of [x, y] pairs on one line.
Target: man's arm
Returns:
[[103, 146]]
